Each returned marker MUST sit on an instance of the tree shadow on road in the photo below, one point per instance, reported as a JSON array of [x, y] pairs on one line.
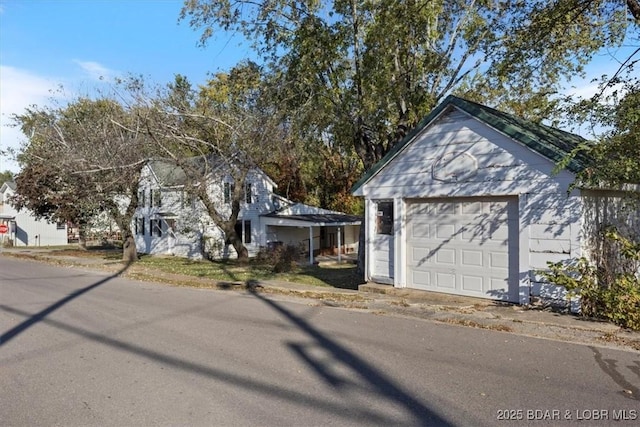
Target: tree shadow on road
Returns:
[[384, 387], [38, 317], [408, 410]]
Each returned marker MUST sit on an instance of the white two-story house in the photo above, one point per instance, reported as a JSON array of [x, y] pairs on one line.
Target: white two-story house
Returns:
[[169, 221]]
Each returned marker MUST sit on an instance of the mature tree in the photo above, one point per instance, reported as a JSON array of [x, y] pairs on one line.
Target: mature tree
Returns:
[[614, 160], [80, 159], [366, 72], [221, 128], [6, 176]]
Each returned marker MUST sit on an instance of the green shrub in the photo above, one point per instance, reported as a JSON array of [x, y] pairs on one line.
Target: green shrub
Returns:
[[622, 302], [282, 259], [606, 292]]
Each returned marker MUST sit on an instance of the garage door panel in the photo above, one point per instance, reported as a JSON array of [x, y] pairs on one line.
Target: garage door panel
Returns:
[[471, 208], [444, 231], [445, 280], [446, 256], [421, 279], [472, 283], [471, 258], [462, 246], [419, 230], [444, 208]]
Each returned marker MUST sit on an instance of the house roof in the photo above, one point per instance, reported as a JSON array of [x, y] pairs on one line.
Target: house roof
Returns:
[[8, 184], [169, 174], [326, 218], [552, 143]]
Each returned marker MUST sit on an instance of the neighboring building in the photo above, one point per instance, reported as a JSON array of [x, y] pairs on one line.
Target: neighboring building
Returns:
[[471, 203], [24, 228], [168, 221]]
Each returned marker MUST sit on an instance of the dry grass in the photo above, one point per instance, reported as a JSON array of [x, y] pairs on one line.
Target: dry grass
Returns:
[[400, 303], [613, 338], [474, 324]]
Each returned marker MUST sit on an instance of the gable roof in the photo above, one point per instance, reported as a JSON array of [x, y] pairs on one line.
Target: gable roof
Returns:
[[11, 185], [168, 174], [552, 143]]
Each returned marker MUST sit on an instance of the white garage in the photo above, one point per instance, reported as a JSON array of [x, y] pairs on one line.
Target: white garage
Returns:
[[470, 203]]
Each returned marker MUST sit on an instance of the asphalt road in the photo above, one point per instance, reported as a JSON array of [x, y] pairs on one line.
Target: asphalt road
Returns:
[[79, 348]]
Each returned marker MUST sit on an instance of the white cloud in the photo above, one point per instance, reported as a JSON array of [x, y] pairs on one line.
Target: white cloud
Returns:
[[20, 89], [95, 70]]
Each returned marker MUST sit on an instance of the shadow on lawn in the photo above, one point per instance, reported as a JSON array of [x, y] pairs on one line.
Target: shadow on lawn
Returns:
[[336, 277]]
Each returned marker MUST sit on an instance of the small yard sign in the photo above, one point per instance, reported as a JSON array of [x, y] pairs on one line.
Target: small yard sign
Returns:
[[3, 228]]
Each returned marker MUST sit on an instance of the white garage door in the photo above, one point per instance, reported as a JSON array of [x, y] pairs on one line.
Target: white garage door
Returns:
[[464, 246]]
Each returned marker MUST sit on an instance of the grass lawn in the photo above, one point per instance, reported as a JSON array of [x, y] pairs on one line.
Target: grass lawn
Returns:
[[335, 275]]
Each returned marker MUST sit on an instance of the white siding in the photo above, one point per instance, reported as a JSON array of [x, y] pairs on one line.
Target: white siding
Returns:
[[30, 231]]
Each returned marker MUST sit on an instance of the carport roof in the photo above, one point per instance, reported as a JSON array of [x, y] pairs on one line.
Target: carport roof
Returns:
[[318, 219], [554, 144]]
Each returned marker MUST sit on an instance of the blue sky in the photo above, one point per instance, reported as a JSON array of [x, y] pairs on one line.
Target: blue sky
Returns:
[[48, 43], [45, 44]]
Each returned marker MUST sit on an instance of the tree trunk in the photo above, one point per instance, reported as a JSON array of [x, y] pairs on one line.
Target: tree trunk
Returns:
[[236, 242], [241, 250], [82, 236], [129, 250]]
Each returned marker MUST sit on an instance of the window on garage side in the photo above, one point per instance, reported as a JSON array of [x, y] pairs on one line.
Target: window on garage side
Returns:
[[384, 218]]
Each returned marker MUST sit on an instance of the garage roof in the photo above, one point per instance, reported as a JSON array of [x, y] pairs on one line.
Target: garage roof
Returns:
[[554, 144]]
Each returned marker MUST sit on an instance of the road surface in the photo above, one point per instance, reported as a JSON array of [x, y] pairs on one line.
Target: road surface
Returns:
[[81, 348]]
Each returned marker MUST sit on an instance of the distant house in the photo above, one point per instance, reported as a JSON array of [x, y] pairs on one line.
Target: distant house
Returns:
[[470, 203], [24, 228], [168, 221]]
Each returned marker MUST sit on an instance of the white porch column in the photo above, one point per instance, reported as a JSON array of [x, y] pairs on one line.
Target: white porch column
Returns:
[[310, 245], [339, 246]]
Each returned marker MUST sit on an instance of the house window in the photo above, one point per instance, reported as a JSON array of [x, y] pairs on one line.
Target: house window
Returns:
[[246, 235], [188, 200], [384, 218], [247, 193], [228, 192], [60, 225], [156, 198], [247, 231], [140, 226], [141, 198], [156, 227]]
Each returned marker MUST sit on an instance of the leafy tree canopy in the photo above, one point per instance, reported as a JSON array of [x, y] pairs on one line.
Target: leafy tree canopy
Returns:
[[360, 73]]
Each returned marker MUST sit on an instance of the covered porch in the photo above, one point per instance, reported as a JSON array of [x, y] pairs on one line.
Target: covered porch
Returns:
[[333, 235]]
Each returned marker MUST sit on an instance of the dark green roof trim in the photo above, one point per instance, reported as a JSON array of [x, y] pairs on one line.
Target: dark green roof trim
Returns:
[[550, 142]]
